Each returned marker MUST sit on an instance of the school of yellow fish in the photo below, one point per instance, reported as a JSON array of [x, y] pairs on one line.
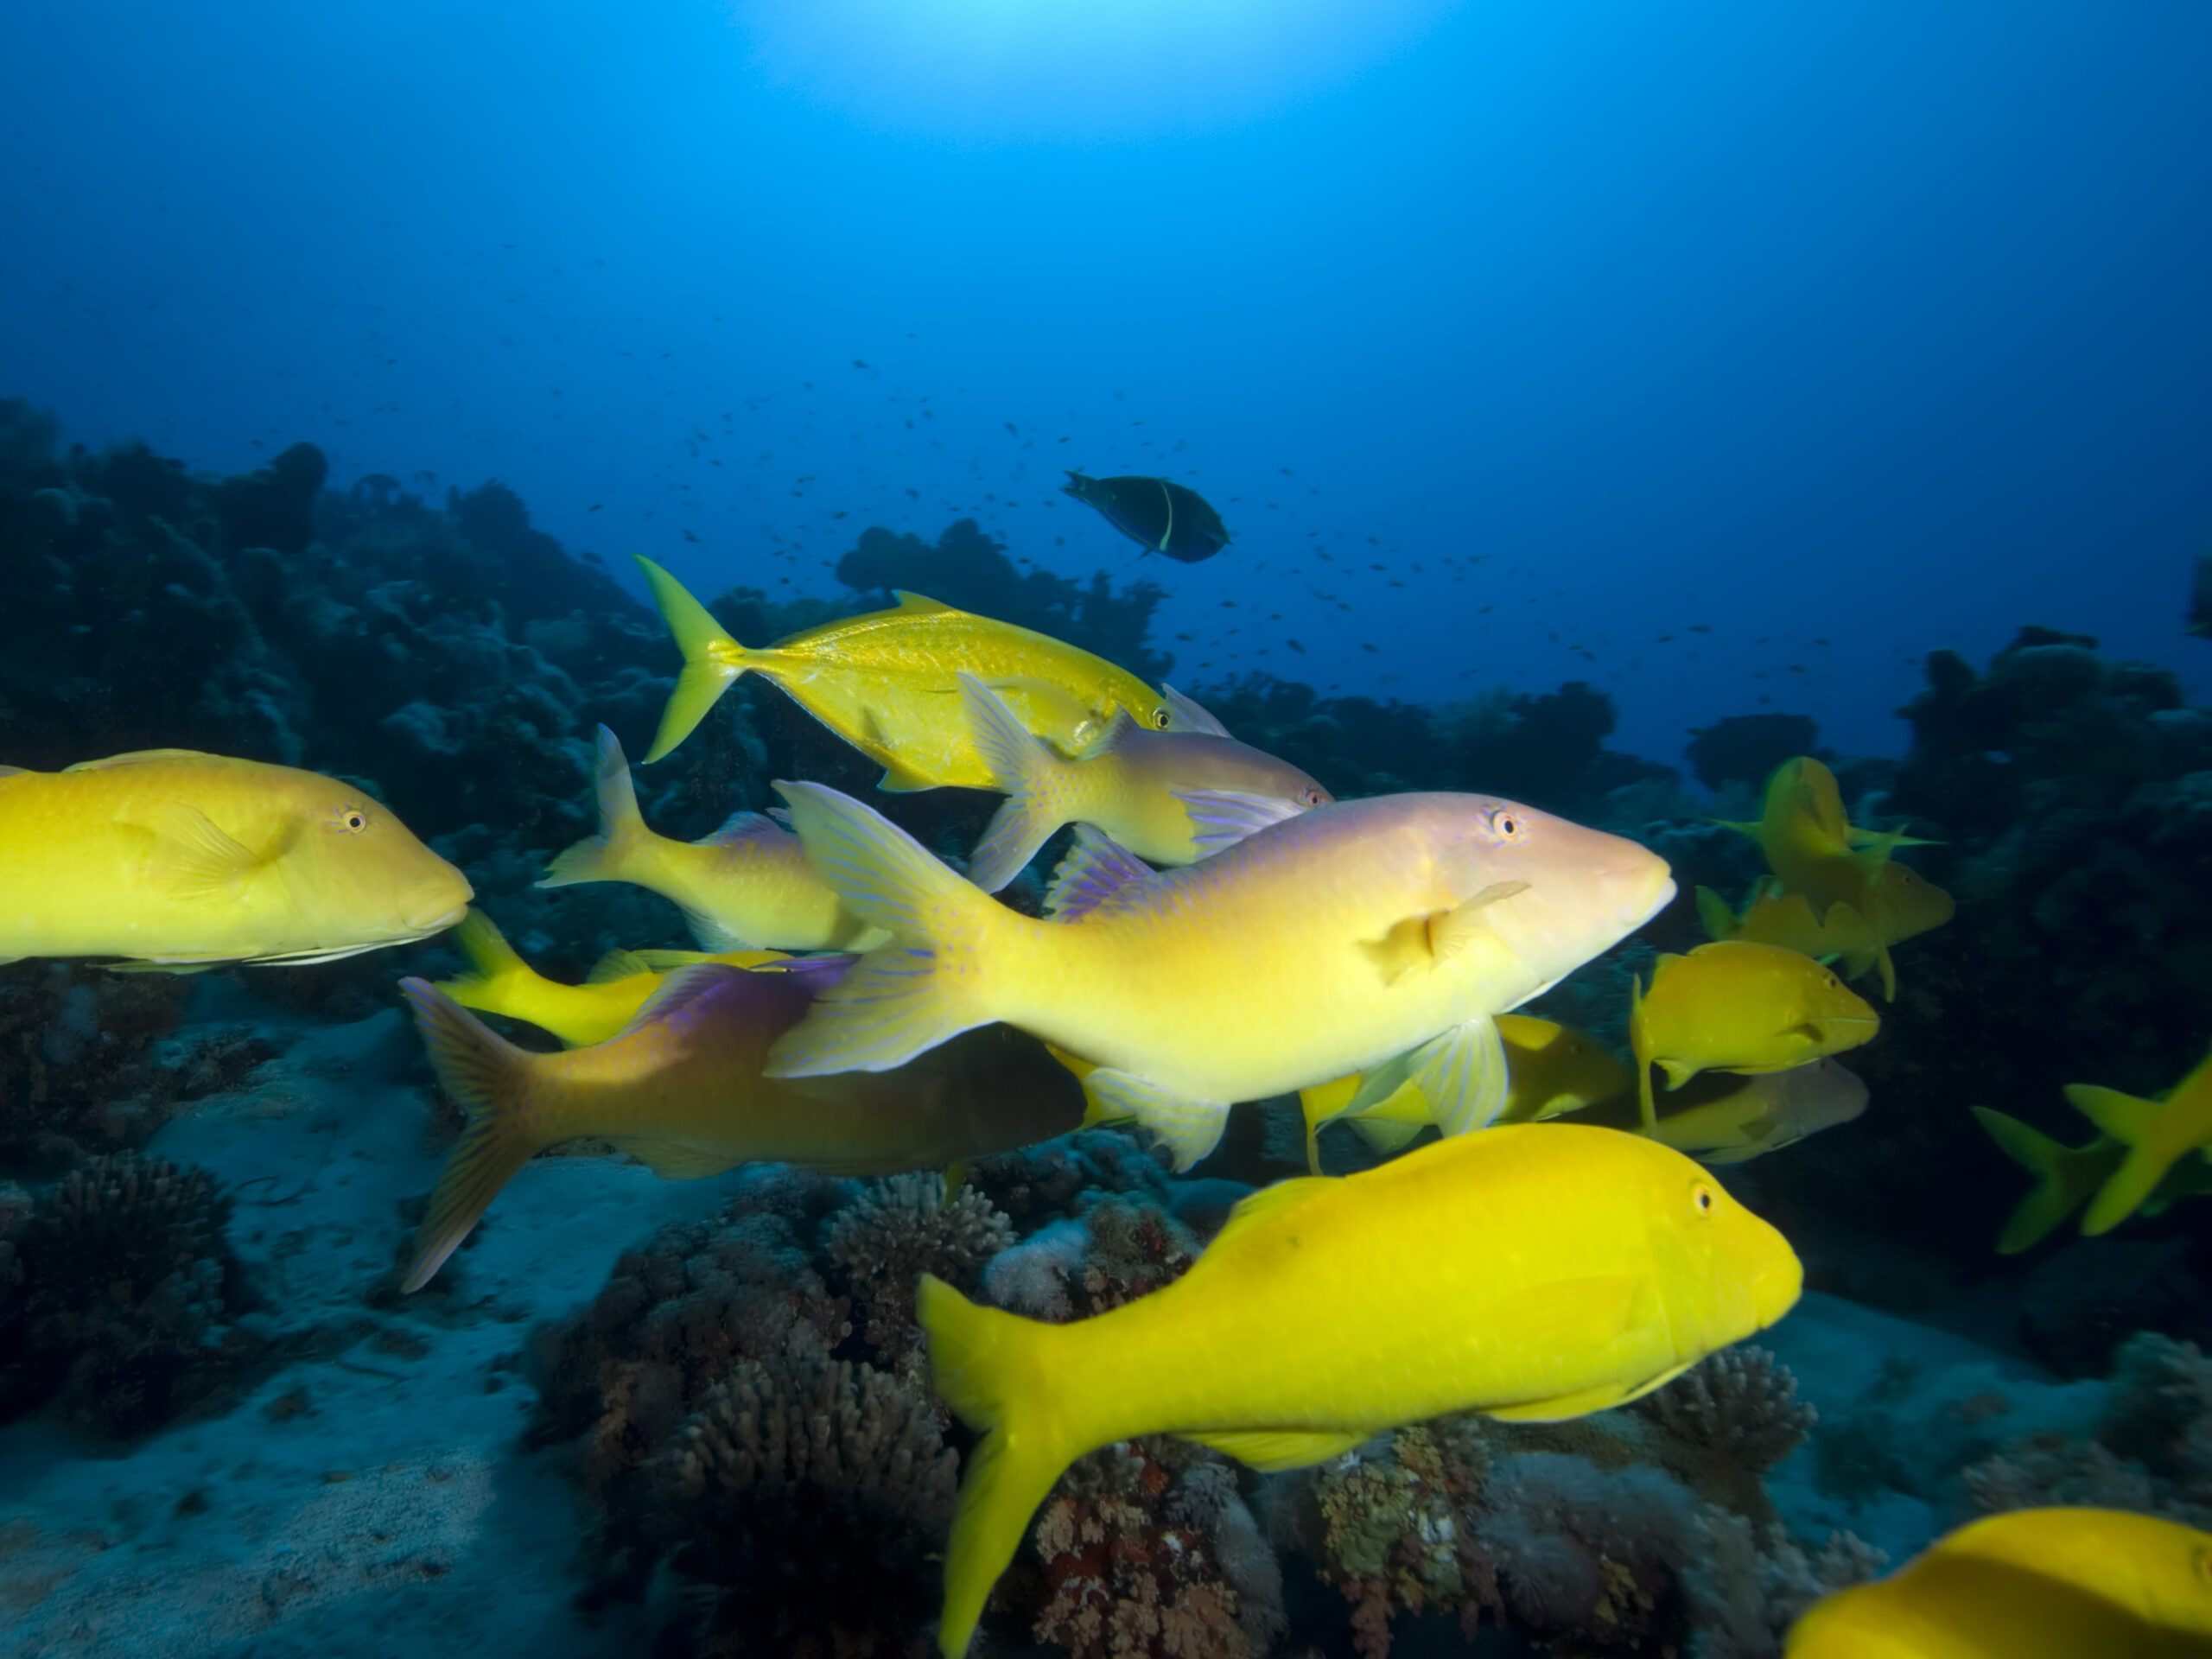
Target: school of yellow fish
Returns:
[[1221, 931]]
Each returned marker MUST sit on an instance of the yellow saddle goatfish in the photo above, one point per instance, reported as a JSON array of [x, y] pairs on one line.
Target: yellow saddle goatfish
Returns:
[[2031, 1583], [1535, 1273], [500, 982], [887, 682], [749, 885], [1733, 1005], [179, 860], [1391, 929]]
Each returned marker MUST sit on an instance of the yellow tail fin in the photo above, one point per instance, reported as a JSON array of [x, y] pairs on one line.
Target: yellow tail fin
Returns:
[[488, 1078], [1030, 774], [2064, 1177], [934, 980], [986, 1366], [499, 981], [2133, 1123], [612, 854], [1713, 912], [712, 660]]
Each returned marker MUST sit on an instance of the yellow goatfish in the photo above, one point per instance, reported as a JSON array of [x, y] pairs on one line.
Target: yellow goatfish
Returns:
[[885, 683], [1549, 1069], [1171, 797], [748, 886], [1815, 851], [1721, 1117], [680, 1090], [500, 982], [1391, 929], [2032, 1584], [1733, 1005], [179, 860], [2156, 1134], [1536, 1273], [2066, 1176]]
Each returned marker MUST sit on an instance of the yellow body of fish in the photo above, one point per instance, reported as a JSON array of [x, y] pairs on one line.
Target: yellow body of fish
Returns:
[[176, 858], [1722, 1117], [500, 982], [1814, 851], [1733, 1005], [2156, 1134], [746, 886], [680, 1088], [1364, 931], [2066, 1177], [887, 682], [1171, 797], [1536, 1271], [1550, 1069], [2032, 1584]]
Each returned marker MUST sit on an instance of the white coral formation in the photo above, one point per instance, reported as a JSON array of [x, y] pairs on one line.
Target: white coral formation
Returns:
[[1740, 1404]]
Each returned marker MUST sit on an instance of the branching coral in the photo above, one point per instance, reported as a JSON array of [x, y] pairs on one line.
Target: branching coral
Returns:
[[896, 1230], [675, 1316], [1740, 1404], [1580, 1556], [127, 1289], [1149, 1551], [1042, 1185], [811, 1495], [1121, 1250]]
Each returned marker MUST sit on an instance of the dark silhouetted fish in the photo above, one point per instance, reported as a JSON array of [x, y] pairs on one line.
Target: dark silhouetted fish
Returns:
[[1161, 516]]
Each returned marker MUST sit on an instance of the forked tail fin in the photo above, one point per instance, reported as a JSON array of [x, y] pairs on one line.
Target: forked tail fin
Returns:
[[1026, 771], [612, 854], [931, 983], [712, 660], [498, 980], [986, 1367], [488, 1078], [2132, 1123]]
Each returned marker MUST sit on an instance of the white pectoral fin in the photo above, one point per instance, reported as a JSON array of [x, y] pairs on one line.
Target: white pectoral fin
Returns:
[[1190, 1129], [1222, 817], [1463, 1073]]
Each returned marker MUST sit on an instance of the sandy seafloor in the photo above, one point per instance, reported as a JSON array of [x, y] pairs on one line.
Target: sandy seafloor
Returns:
[[400, 1512]]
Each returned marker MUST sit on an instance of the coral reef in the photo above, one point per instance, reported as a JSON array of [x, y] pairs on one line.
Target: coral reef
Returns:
[[1740, 1404], [1148, 1550], [1547, 750], [1584, 1556], [1039, 1184], [811, 1495], [1120, 1249], [896, 1231], [1746, 748], [123, 1296]]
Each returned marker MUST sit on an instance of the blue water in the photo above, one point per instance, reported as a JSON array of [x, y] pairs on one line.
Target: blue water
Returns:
[[1882, 327]]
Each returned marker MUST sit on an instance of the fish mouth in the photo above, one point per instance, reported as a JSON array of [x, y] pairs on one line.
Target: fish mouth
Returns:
[[420, 925], [1635, 915]]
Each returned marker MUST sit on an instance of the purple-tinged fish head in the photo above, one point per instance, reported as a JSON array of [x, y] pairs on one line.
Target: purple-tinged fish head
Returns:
[[1559, 893]]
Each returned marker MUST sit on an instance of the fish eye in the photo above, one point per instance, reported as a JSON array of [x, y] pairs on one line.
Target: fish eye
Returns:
[[1159, 719], [1505, 824], [353, 820], [2202, 1560], [1311, 797], [1701, 1198]]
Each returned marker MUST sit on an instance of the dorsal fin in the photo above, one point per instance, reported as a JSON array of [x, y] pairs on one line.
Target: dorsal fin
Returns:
[[743, 826], [139, 757], [1094, 871], [616, 964], [918, 604], [1270, 1202], [685, 985], [1188, 717]]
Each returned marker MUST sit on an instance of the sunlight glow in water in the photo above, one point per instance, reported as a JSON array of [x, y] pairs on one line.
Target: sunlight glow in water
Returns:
[[1094, 68]]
